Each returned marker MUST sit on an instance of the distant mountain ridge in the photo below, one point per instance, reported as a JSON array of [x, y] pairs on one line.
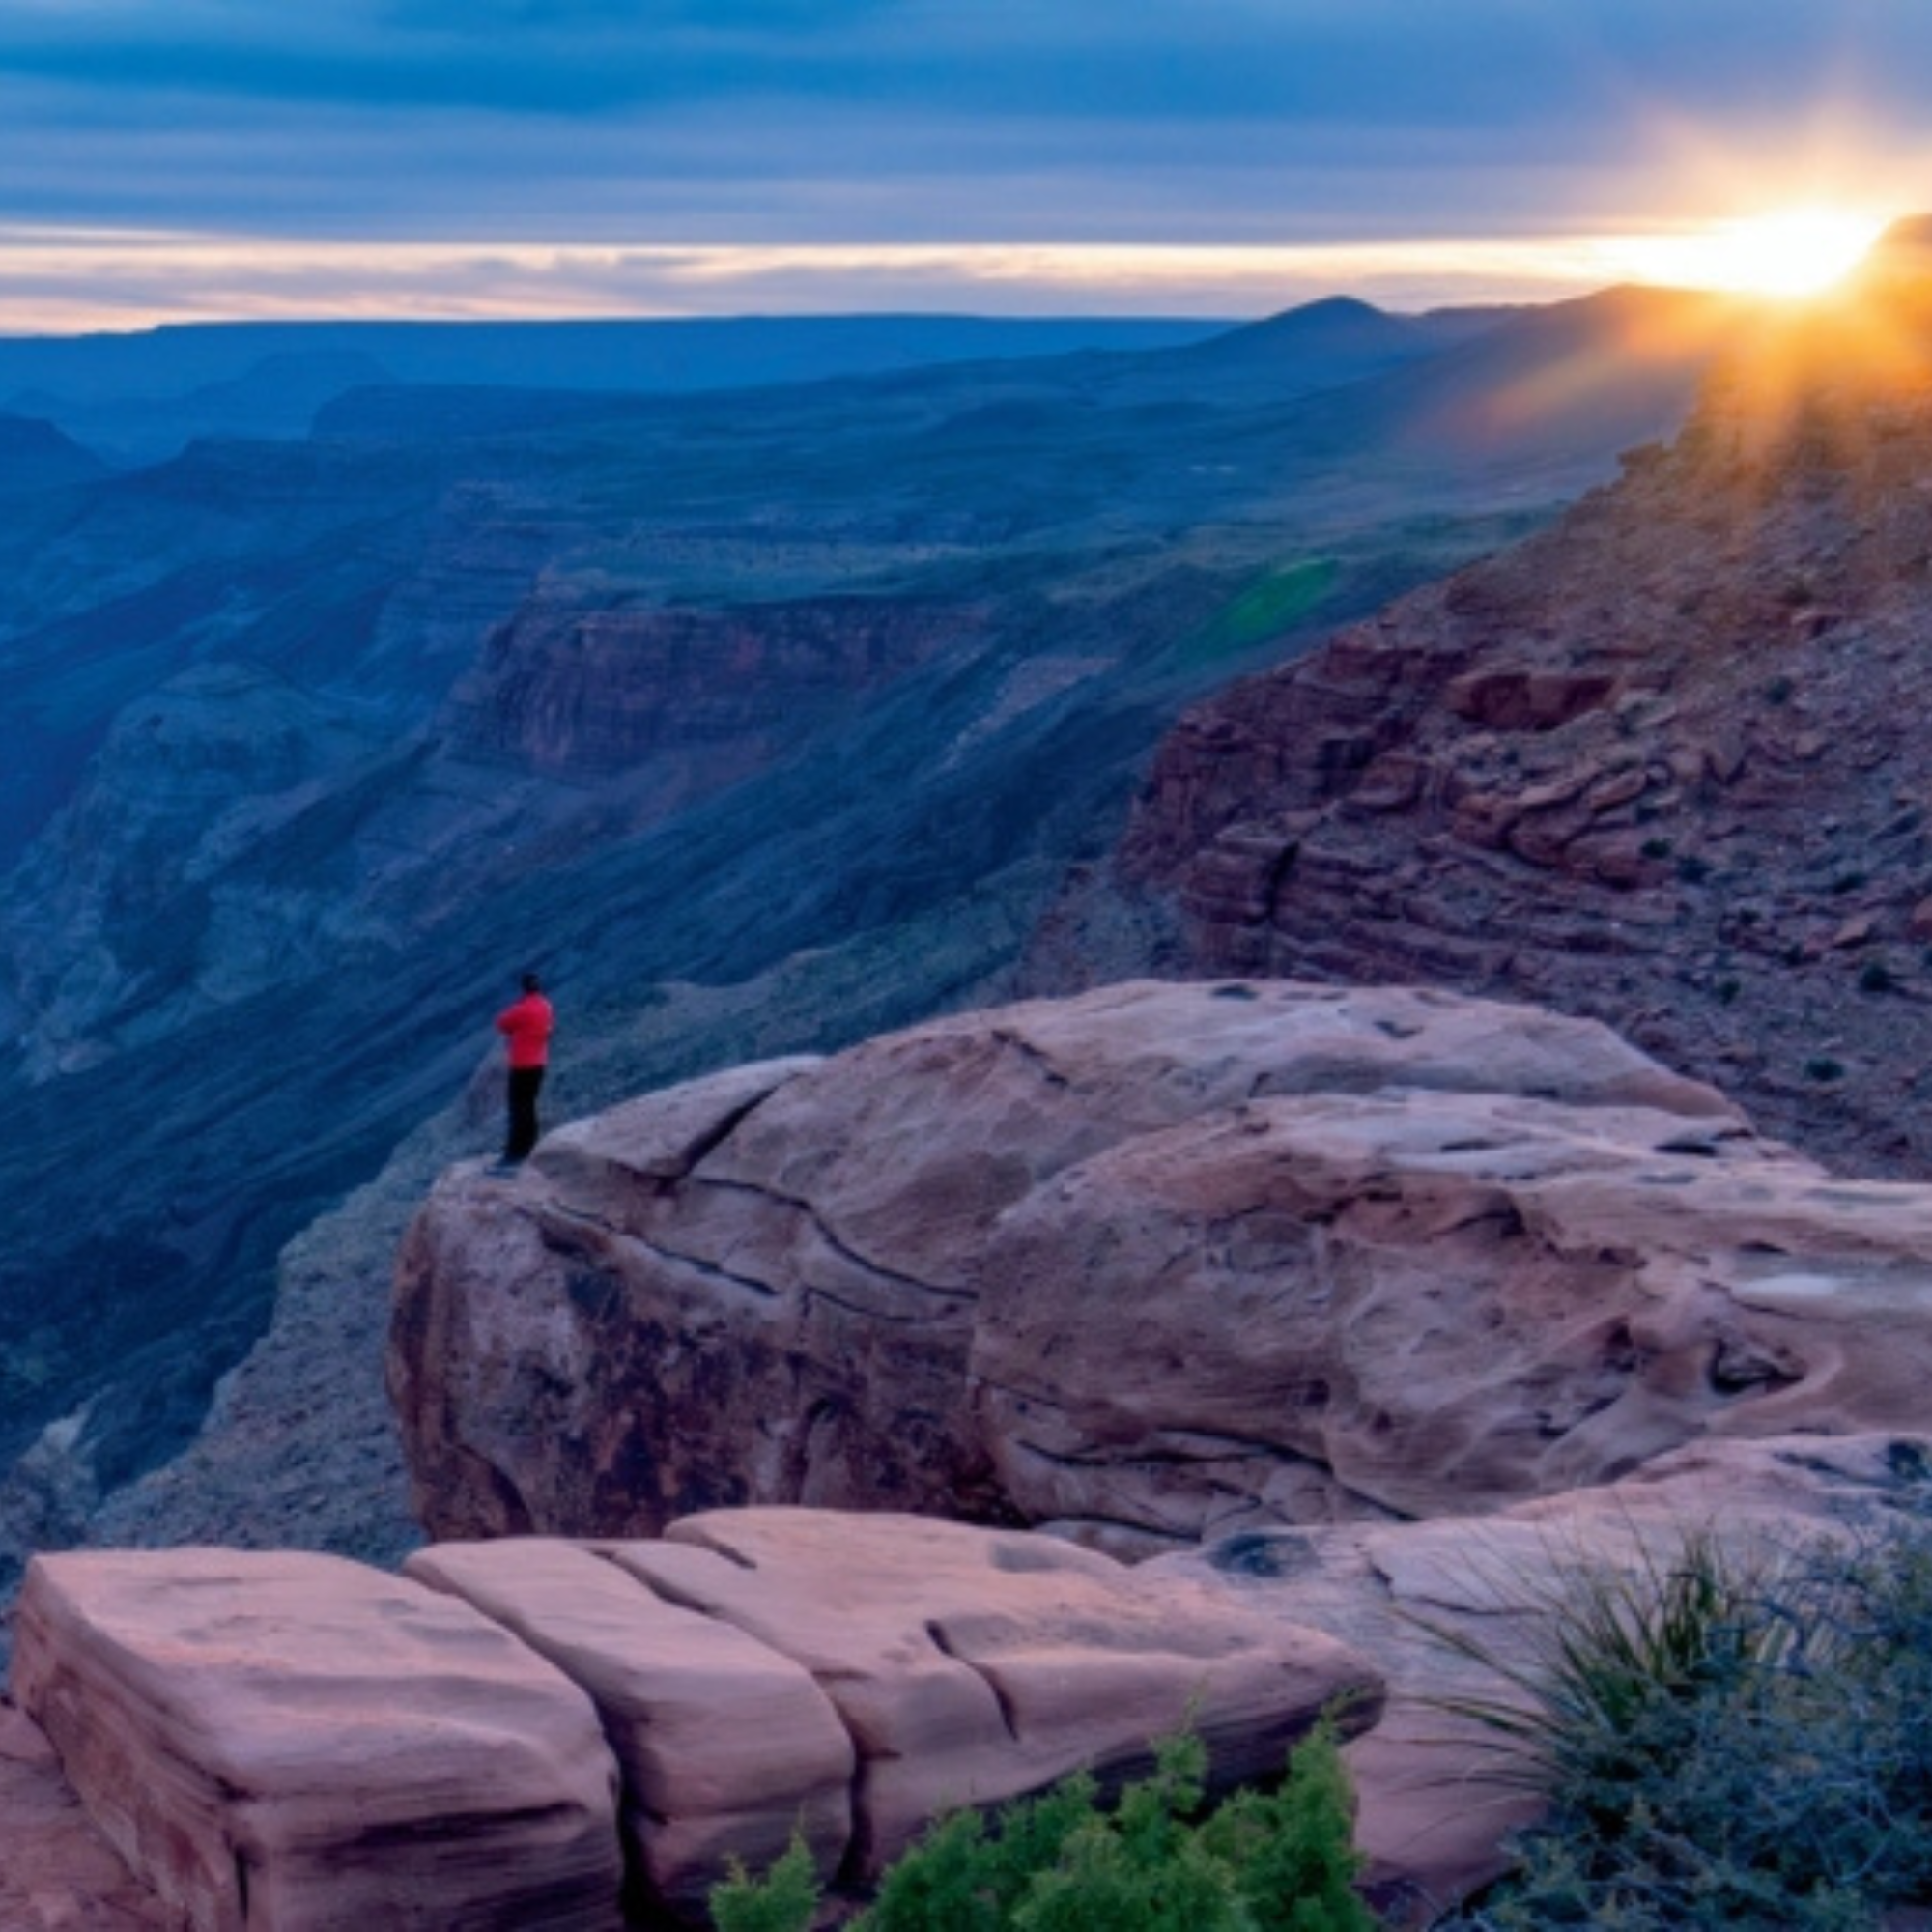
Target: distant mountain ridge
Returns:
[[145, 393], [143, 396]]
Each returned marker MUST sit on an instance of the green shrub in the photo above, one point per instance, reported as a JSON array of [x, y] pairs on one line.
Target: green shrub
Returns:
[[1725, 1742], [784, 1900], [1265, 1862]]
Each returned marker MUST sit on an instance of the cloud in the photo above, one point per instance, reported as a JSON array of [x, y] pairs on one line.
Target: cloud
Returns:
[[95, 280], [1250, 122]]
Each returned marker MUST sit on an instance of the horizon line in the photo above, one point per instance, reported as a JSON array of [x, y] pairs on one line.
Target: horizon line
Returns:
[[76, 281]]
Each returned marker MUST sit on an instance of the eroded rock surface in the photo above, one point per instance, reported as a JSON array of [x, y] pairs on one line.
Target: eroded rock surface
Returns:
[[1428, 1304], [726, 1745], [57, 1872], [971, 1665], [294, 1741], [1146, 1266]]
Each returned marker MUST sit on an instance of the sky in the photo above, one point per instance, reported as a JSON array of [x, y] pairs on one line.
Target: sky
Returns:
[[186, 159]]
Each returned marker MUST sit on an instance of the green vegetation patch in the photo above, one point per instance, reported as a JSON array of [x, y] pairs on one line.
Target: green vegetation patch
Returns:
[[1263, 1861], [1275, 601], [1726, 1739]]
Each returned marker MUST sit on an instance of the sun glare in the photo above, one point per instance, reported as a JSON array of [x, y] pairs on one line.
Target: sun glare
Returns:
[[1791, 252]]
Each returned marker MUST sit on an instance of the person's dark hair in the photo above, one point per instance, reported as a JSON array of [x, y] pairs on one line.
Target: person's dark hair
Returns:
[[532, 983]]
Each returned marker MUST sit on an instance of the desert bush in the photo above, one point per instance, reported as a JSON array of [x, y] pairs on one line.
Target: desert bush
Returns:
[[1726, 1741], [1278, 1860], [784, 1900]]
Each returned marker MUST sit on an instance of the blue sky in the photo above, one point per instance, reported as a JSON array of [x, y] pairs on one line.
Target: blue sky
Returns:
[[208, 156]]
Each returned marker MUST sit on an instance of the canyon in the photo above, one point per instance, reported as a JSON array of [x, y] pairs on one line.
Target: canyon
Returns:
[[1460, 1125], [758, 719]]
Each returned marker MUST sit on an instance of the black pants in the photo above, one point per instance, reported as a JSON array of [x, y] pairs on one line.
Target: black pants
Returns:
[[526, 1084]]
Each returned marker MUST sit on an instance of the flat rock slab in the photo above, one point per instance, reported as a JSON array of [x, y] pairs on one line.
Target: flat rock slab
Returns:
[[725, 1745], [293, 1740], [973, 1664]]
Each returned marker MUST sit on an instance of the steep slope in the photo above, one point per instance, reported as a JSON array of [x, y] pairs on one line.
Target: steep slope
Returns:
[[1660, 764]]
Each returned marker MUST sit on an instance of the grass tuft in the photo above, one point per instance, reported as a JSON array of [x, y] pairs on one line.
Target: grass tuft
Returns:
[[1726, 1739]]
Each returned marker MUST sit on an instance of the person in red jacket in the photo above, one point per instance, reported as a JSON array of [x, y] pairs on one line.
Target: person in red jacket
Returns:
[[526, 1026]]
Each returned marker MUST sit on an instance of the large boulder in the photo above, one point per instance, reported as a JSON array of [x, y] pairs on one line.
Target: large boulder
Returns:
[[287, 1739], [1150, 1264], [1426, 1304]]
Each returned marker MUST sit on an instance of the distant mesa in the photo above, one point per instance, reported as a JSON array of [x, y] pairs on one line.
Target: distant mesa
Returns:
[[35, 456]]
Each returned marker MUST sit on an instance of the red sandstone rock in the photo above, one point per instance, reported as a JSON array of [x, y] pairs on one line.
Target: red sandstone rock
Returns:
[[1428, 1304], [725, 1745], [293, 1740], [972, 1665], [764, 1287], [57, 1872]]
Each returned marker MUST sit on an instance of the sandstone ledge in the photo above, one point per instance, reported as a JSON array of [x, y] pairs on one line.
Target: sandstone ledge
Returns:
[[1156, 1264], [286, 1741], [900, 1666]]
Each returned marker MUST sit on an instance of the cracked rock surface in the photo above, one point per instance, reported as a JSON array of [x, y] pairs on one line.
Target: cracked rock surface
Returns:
[[1159, 1263]]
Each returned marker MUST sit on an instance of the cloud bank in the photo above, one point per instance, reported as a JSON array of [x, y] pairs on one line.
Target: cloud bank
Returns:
[[1257, 125]]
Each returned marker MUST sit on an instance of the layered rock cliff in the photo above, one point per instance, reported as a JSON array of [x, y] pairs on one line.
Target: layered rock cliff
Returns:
[[1660, 764]]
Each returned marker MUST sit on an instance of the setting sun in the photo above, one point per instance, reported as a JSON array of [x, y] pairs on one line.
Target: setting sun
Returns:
[[1789, 253]]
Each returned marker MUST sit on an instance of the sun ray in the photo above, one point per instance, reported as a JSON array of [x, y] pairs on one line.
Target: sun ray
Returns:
[[1791, 252]]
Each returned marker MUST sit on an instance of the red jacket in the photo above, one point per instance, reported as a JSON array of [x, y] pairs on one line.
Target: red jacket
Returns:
[[527, 1026]]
